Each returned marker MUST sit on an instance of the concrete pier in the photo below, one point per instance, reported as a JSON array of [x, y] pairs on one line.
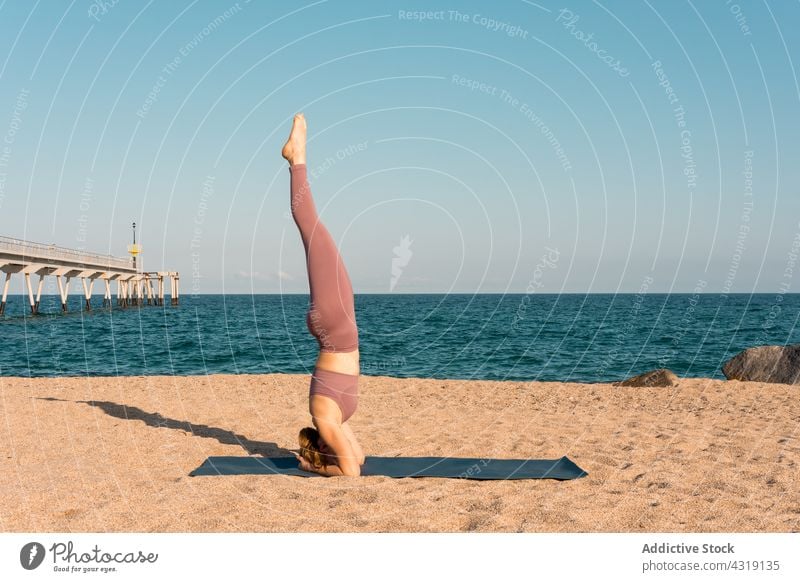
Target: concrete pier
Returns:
[[29, 259]]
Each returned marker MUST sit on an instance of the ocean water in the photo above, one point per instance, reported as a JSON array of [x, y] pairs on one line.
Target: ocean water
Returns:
[[587, 338]]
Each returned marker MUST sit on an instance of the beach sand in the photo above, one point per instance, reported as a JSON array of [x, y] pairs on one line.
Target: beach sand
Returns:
[[113, 455]]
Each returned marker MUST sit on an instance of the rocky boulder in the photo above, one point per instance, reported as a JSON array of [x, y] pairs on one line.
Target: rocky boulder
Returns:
[[660, 377], [777, 364]]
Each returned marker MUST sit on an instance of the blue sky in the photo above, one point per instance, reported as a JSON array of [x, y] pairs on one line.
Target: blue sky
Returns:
[[518, 145]]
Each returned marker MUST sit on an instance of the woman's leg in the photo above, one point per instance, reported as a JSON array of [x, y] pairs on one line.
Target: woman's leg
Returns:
[[331, 315]]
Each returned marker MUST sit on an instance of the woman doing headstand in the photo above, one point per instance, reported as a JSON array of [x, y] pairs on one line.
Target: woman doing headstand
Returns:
[[331, 449]]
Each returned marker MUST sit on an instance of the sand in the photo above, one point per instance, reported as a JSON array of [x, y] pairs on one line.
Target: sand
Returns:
[[113, 455]]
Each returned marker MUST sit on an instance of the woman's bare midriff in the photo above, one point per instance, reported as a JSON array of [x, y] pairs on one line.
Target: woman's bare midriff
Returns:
[[342, 362]]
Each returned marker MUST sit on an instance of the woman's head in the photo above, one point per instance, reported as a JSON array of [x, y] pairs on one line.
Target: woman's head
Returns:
[[312, 448]]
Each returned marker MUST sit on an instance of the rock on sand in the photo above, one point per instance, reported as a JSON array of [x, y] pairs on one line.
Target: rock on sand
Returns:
[[776, 364], [660, 377]]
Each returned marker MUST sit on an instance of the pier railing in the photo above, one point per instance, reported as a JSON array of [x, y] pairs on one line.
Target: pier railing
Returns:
[[53, 252]]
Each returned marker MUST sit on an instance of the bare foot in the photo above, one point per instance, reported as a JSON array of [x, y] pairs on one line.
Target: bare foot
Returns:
[[295, 149]]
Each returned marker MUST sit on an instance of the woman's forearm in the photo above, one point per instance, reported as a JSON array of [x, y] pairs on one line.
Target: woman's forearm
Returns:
[[336, 470], [330, 471]]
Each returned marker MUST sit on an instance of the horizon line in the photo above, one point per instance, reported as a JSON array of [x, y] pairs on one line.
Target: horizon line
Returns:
[[183, 295]]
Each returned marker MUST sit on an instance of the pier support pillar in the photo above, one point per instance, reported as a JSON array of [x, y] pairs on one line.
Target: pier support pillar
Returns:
[[5, 294], [177, 289], [107, 294], [174, 291], [87, 293], [30, 292], [63, 290], [161, 290], [148, 285], [38, 294]]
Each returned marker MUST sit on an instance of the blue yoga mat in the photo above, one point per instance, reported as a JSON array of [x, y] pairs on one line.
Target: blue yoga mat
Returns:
[[445, 467]]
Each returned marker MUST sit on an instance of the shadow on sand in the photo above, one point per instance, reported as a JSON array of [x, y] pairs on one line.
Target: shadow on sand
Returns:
[[156, 420]]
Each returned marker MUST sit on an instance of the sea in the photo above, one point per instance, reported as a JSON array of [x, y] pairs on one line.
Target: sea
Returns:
[[551, 337]]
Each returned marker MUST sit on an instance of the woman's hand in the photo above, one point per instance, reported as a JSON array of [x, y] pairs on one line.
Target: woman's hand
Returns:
[[305, 465], [326, 471]]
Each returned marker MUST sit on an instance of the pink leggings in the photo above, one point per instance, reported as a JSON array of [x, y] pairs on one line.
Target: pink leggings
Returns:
[[331, 316]]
